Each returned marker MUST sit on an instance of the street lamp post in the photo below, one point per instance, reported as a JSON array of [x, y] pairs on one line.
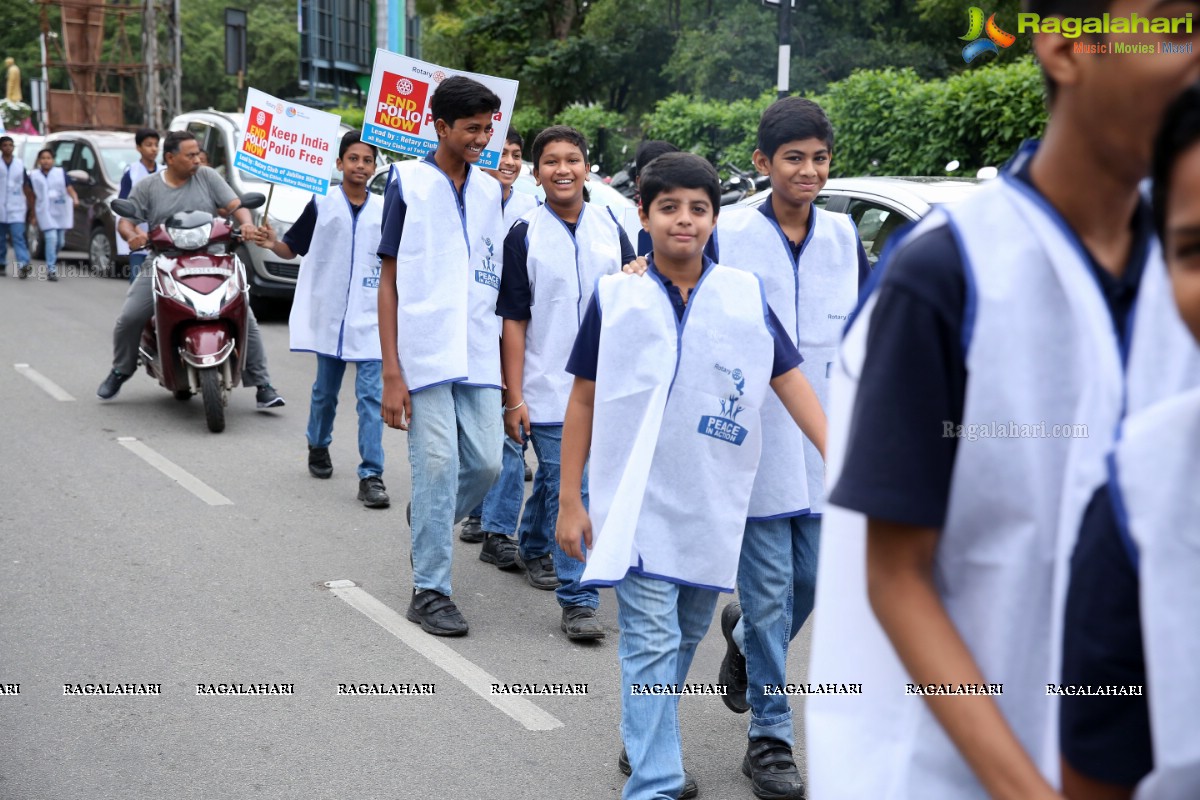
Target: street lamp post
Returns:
[[785, 44]]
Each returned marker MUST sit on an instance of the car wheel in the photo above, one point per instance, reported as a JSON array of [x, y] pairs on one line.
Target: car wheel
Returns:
[[102, 254], [33, 240]]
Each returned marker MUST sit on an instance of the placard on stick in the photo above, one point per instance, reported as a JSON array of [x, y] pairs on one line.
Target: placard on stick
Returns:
[[288, 144]]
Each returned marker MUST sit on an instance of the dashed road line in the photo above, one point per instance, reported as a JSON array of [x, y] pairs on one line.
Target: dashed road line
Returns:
[[45, 384], [175, 472]]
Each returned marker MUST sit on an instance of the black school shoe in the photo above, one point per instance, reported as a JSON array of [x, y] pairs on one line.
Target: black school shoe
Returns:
[[472, 531], [436, 614], [500, 550], [690, 787], [373, 493], [579, 623], [732, 674], [772, 770], [319, 463]]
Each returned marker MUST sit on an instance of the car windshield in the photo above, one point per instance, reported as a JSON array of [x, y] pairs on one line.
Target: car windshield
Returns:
[[116, 159]]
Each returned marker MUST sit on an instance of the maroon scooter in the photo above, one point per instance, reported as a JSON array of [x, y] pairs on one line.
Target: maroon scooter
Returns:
[[196, 341]]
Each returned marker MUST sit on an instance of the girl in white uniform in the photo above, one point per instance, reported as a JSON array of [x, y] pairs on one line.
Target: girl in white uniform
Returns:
[[56, 202]]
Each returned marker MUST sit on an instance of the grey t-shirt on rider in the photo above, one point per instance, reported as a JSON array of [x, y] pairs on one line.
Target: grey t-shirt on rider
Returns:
[[155, 201]]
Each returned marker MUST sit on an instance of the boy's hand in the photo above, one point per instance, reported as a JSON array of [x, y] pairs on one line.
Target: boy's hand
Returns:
[[516, 420], [264, 236], [397, 403], [573, 528], [636, 267]]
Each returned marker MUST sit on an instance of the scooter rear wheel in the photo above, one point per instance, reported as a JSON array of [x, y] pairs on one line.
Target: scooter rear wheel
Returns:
[[214, 406]]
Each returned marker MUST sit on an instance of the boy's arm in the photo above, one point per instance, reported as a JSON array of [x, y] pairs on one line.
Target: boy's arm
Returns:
[[397, 403], [798, 397], [74, 196], [512, 361], [900, 585], [298, 239], [574, 528]]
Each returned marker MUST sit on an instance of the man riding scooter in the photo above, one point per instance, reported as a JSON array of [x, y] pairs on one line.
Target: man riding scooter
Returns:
[[182, 186]]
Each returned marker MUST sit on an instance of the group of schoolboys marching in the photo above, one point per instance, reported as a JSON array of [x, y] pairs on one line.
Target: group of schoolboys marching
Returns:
[[675, 406]]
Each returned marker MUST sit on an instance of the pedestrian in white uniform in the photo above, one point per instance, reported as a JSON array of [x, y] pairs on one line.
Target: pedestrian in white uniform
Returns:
[[56, 202], [16, 207], [146, 141]]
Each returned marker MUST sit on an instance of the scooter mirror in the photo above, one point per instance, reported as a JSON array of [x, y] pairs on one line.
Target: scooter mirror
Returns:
[[124, 208], [253, 199]]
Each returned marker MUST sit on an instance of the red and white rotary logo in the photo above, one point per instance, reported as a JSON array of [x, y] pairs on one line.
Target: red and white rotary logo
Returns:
[[261, 118], [439, 76], [404, 86]]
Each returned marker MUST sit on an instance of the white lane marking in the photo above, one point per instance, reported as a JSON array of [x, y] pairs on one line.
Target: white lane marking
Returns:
[[530, 716], [45, 384], [175, 472]]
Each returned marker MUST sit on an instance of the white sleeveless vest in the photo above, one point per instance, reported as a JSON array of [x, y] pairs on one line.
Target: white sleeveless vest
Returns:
[[54, 208], [677, 433], [563, 270], [812, 298], [448, 277], [336, 308], [631, 223], [137, 172], [516, 206], [1157, 472], [1041, 346], [13, 206]]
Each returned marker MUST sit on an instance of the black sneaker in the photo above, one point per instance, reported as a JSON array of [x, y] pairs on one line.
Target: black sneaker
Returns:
[[267, 397], [579, 623], [373, 493], [112, 384], [472, 530], [319, 463], [436, 614], [732, 674], [540, 573], [52, 275], [690, 788], [772, 770], [23, 271], [500, 550]]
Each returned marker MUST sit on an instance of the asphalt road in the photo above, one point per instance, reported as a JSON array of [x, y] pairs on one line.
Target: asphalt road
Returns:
[[113, 572]]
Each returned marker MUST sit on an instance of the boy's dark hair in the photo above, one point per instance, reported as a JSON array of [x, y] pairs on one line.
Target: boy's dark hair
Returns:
[[1064, 8], [1180, 132], [143, 134], [679, 171], [46, 150], [515, 138], [460, 97], [791, 119], [354, 137], [557, 133], [170, 145], [647, 151], [4, 139]]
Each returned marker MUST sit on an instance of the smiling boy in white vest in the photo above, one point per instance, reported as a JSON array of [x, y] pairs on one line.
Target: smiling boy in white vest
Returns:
[[552, 259], [146, 141], [335, 314], [944, 559], [812, 265], [441, 251], [674, 435]]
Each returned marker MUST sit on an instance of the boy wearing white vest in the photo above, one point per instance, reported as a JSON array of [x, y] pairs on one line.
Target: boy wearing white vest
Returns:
[[442, 252], [812, 265], [552, 260], [502, 506], [335, 314], [1132, 602], [55, 208], [973, 403], [674, 437], [146, 141], [16, 207]]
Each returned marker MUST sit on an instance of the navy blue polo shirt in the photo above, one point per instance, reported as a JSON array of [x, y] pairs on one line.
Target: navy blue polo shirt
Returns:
[[127, 183], [395, 209], [515, 300], [299, 236], [914, 375], [586, 353], [712, 249]]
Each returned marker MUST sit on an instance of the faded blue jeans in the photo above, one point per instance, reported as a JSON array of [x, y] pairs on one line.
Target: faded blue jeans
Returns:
[[20, 246], [536, 536], [777, 578], [661, 623], [55, 238], [368, 390], [454, 445]]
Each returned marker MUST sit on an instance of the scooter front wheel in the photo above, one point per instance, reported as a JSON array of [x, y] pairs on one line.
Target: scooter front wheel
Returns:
[[214, 405]]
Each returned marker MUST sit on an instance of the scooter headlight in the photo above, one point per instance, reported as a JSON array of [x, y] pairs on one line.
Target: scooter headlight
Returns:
[[190, 238]]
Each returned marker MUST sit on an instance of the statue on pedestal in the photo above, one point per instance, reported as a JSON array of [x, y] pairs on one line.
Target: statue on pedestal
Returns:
[[13, 76]]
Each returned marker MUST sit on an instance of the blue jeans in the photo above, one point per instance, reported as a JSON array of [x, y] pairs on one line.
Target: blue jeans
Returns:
[[55, 238], [368, 389], [20, 247], [777, 578], [501, 509], [135, 265], [536, 536], [661, 623], [454, 446]]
